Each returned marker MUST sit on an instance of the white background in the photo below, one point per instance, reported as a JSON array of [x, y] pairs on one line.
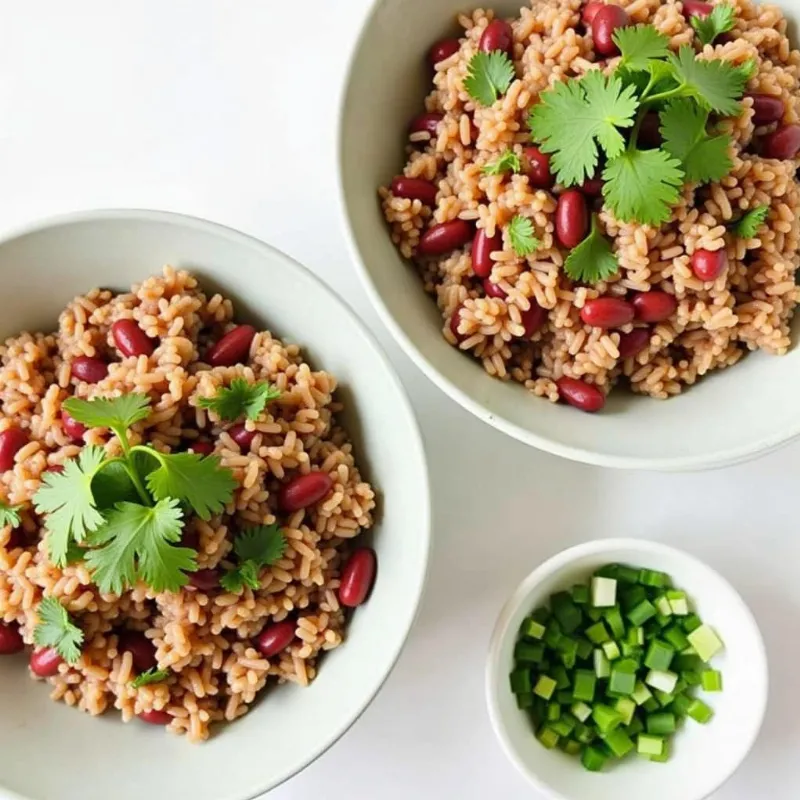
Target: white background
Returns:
[[226, 109]]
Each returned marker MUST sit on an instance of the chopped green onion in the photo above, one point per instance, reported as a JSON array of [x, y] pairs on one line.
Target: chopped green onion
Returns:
[[583, 733], [584, 649], [606, 718], [604, 592], [521, 681], [659, 655], [711, 680], [642, 612], [679, 603], [581, 711], [659, 679], [561, 678], [571, 747], [597, 633], [611, 649], [580, 594], [649, 577], [626, 708], [636, 727], [524, 700], [676, 637], [621, 682], [691, 622], [548, 737], [602, 667], [661, 724], [584, 687], [641, 694], [699, 711], [648, 745], [680, 705], [545, 687], [562, 726], [531, 629], [553, 712], [613, 618], [593, 759], [663, 606], [705, 642], [528, 652], [618, 742]]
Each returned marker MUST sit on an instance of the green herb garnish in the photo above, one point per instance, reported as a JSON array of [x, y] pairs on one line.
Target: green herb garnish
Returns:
[[508, 162], [721, 19], [57, 630], [240, 399], [592, 260], [639, 46], [152, 675], [9, 515], [488, 76], [746, 227], [521, 235], [255, 548]]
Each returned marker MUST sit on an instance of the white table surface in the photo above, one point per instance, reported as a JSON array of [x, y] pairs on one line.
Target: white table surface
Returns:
[[226, 109]]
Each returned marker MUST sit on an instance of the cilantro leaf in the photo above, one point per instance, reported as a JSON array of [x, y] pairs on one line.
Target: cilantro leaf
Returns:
[[245, 574], [116, 413], [520, 234], [642, 185], [717, 85], [57, 630], [683, 127], [205, 485], [508, 162], [639, 45], [68, 501], [746, 227], [592, 260], [575, 117], [9, 515], [721, 19], [113, 484], [256, 548], [488, 76], [240, 399], [138, 542], [151, 675], [747, 69], [75, 553]]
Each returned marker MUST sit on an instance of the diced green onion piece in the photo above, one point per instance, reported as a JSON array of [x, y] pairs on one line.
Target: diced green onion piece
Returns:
[[658, 679], [661, 620], [683, 662], [542, 615], [678, 602], [520, 680], [560, 676], [602, 667], [661, 724], [680, 705], [525, 700], [583, 733], [553, 712], [552, 635], [568, 650], [571, 747], [597, 633], [648, 745], [593, 759], [676, 637], [611, 649], [641, 612], [635, 727], [594, 614], [584, 649], [700, 712], [664, 757], [618, 742], [545, 687], [691, 622], [621, 682], [650, 705], [711, 680], [580, 594], [705, 641], [651, 577], [606, 718], [659, 655], [581, 711], [584, 687], [632, 597], [615, 622], [548, 737], [627, 574], [632, 651], [564, 697], [562, 726], [691, 677], [604, 592], [627, 708], [529, 652], [531, 629], [663, 698], [663, 607], [641, 694], [566, 612]]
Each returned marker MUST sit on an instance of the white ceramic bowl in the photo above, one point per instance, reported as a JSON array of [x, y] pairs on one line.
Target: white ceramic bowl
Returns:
[[703, 757], [50, 751], [728, 417]]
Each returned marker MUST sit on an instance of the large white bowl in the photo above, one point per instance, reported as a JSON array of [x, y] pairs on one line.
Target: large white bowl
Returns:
[[702, 757], [50, 751], [728, 417]]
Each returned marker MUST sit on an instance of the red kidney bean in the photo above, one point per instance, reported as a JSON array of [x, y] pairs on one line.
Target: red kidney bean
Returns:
[[154, 717], [533, 319], [580, 394], [191, 538], [428, 123], [442, 50], [650, 132], [493, 290], [592, 187], [45, 663], [605, 21], [275, 638], [455, 319], [304, 490], [444, 237], [634, 342], [232, 348], [696, 8], [482, 248], [72, 427], [130, 339], [537, 168], [782, 143], [242, 437], [142, 650], [205, 580], [12, 440], [16, 539], [572, 218], [358, 575], [589, 11], [654, 306], [89, 369], [415, 189], [708, 265], [607, 312], [10, 640], [497, 36], [767, 108], [202, 448]]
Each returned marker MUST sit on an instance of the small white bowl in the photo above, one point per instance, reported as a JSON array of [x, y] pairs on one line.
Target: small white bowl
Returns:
[[703, 757]]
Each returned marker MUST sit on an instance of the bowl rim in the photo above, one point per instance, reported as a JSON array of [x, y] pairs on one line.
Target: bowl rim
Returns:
[[726, 457], [415, 444], [492, 671]]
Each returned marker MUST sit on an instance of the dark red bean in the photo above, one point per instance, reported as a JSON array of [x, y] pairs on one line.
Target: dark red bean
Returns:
[[533, 319], [650, 132], [45, 663], [242, 437], [304, 490], [130, 339], [782, 143], [191, 538], [607, 312], [482, 248], [275, 638], [444, 237], [12, 440], [142, 650], [497, 36], [206, 580], [154, 717], [592, 187], [634, 342], [767, 108], [696, 8], [428, 123], [415, 189], [358, 575], [493, 290], [537, 168], [442, 50], [72, 427], [605, 21], [654, 306], [202, 448], [10, 640], [708, 265], [89, 369], [580, 394], [232, 348], [572, 218], [589, 11], [16, 539], [455, 319]]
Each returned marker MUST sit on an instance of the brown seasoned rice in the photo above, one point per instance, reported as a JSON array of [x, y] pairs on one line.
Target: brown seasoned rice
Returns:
[[202, 637], [748, 307]]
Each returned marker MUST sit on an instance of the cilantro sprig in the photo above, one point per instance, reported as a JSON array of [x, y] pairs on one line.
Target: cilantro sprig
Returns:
[[746, 227], [508, 161], [151, 675], [721, 19], [488, 76], [240, 399], [255, 548], [592, 260], [521, 235], [57, 630], [9, 515]]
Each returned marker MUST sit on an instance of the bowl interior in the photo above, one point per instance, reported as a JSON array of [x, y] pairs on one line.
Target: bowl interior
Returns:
[[733, 414], [42, 270], [702, 756]]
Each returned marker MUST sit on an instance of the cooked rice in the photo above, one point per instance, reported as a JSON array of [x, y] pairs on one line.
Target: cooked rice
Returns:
[[203, 638], [748, 307]]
